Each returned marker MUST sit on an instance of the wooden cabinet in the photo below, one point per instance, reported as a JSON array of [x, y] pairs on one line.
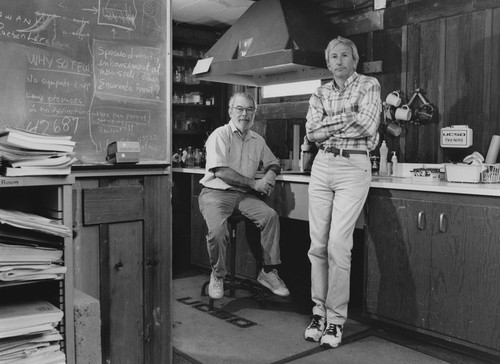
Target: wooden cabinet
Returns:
[[123, 258], [432, 264], [49, 197]]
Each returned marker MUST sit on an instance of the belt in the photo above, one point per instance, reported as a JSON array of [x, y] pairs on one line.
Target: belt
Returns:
[[343, 152]]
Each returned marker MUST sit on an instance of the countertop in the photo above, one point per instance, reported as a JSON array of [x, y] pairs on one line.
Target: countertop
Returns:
[[398, 183]]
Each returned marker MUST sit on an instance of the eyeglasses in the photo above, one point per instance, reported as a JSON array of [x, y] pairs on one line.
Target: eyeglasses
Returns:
[[239, 110]]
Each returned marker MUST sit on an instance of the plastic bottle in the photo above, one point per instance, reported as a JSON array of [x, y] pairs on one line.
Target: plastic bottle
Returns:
[[306, 156], [383, 159], [394, 161]]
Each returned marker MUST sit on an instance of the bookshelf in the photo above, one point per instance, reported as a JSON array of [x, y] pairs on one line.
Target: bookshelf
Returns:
[[198, 107], [50, 197]]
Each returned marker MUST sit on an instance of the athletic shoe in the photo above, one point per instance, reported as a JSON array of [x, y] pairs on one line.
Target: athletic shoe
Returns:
[[216, 287], [315, 330], [332, 336], [273, 282]]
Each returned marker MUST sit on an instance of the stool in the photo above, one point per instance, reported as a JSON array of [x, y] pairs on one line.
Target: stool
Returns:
[[232, 283]]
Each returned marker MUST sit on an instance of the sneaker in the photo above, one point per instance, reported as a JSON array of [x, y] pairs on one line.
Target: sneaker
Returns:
[[315, 330], [332, 336], [216, 287], [273, 282]]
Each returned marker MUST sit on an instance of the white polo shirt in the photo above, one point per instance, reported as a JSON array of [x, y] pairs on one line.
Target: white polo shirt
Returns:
[[226, 148]]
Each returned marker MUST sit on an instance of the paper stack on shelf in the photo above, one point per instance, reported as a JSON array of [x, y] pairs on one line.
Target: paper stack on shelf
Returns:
[[28, 256], [31, 154], [26, 220], [28, 334]]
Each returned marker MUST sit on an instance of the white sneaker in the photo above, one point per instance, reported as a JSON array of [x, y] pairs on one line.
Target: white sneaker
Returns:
[[273, 282], [315, 330], [216, 287], [332, 336]]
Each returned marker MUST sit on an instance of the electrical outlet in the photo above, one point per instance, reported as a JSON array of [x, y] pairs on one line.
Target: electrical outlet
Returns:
[[379, 4]]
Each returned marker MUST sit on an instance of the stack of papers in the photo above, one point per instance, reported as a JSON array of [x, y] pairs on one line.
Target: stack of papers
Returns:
[[31, 154], [31, 247], [26, 220], [28, 334], [26, 255]]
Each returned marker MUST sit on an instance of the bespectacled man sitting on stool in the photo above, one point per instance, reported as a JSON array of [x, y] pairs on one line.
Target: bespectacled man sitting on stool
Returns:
[[234, 153]]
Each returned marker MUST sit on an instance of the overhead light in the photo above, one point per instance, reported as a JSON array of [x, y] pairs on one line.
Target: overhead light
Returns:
[[290, 89]]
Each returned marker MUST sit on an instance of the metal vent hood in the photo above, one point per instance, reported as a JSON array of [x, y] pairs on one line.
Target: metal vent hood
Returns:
[[274, 41]]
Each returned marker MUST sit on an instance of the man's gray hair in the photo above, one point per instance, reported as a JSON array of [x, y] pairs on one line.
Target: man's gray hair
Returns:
[[242, 94], [347, 43]]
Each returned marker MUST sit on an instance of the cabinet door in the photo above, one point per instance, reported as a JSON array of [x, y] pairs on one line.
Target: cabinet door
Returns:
[[398, 259], [199, 253], [465, 275], [129, 217]]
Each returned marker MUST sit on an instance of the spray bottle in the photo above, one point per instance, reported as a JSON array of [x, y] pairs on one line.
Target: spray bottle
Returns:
[[306, 156], [383, 159], [394, 161]]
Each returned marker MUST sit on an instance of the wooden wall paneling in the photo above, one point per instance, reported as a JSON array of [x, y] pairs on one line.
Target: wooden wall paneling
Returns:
[[158, 268], [488, 123], [124, 298], [440, 102], [412, 56], [431, 49], [486, 4], [458, 75], [359, 23], [425, 10], [476, 116], [104, 289], [86, 244], [494, 120], [387, 47]]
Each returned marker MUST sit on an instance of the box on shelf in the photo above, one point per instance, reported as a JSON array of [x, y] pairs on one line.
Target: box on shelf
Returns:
[[124, 152], [468, 173], [406, 169]]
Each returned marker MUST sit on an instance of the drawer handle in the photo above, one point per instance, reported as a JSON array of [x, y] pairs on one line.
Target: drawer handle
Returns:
[[443, 223], [421, 220], [118, 266]]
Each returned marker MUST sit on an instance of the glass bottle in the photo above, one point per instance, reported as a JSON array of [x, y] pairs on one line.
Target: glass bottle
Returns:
[[189, 158], [176, 158], [197, 157]]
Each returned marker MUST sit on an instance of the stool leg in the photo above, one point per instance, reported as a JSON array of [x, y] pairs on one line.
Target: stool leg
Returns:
[[233, 259]]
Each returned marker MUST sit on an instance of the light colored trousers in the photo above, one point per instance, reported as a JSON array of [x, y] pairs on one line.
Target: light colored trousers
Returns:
[[337, 192], [217, 205]]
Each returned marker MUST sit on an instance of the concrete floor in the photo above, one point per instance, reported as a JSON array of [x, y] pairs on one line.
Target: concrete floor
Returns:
[[238, 330]]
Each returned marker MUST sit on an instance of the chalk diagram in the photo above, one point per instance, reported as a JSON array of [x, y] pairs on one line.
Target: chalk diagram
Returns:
[[46, 24], [117, 13], [151, 16]]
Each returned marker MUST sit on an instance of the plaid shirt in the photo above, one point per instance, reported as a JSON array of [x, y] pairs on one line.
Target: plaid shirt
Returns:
[[348, 118]]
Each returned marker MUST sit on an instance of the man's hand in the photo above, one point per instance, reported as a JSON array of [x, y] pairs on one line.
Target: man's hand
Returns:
[[265, 185]]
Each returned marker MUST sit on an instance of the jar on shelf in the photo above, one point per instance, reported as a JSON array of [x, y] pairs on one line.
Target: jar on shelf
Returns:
[[176, 99], [178, 74], [190, 158], [197, 157], [176, 158]]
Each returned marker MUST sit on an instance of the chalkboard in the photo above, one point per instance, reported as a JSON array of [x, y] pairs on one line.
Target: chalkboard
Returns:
[[92, 69]]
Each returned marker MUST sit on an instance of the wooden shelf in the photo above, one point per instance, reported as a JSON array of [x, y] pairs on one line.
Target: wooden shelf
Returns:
[[194, 105], [46, 193], [190, 132]]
